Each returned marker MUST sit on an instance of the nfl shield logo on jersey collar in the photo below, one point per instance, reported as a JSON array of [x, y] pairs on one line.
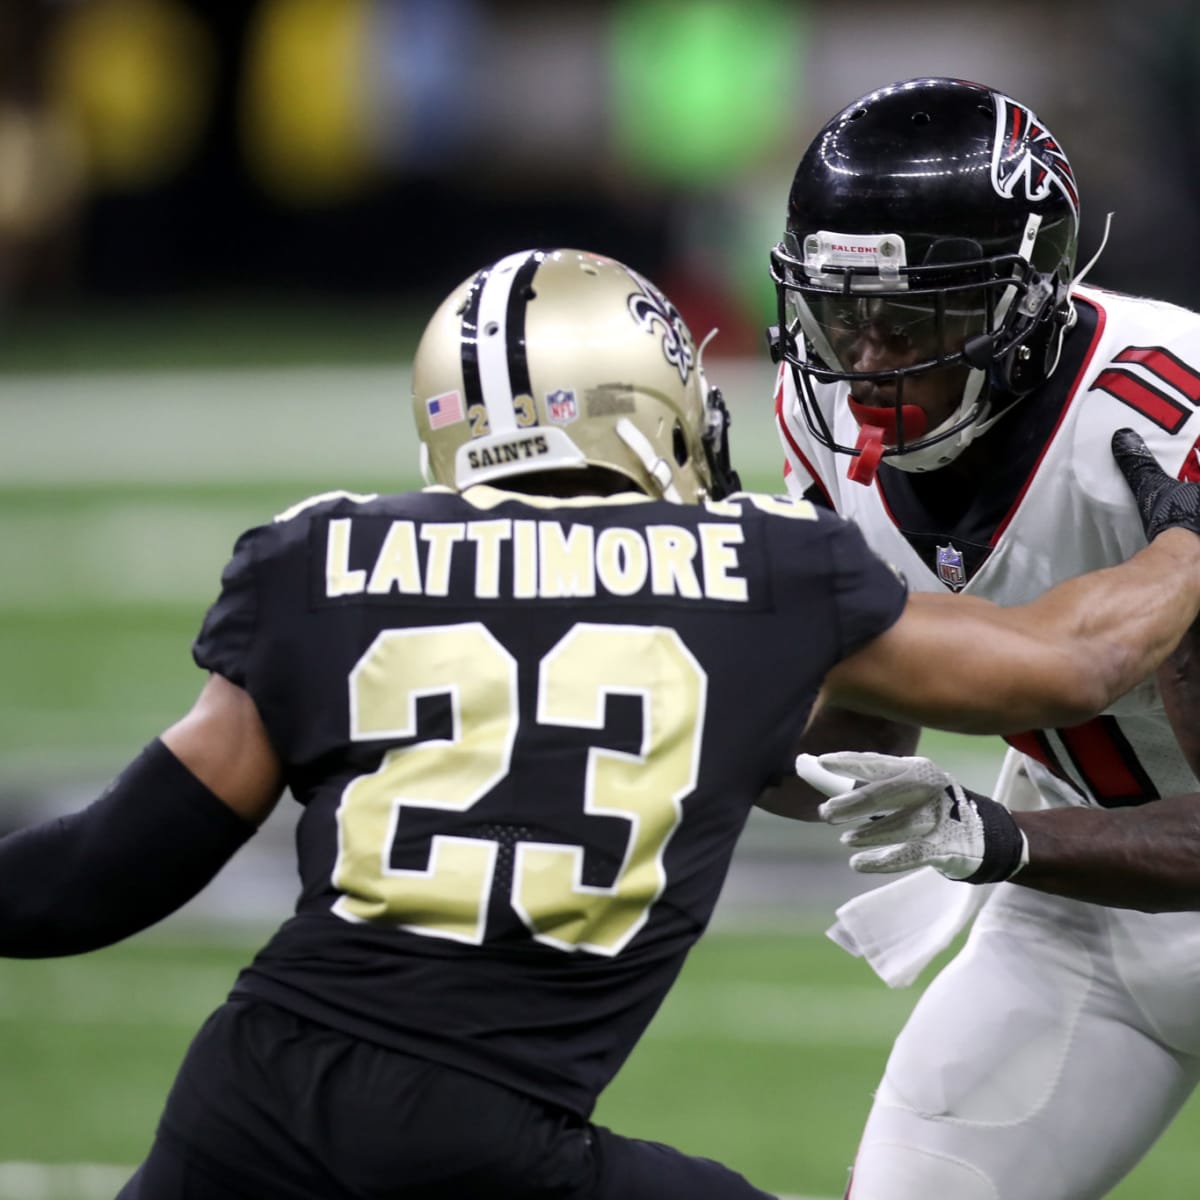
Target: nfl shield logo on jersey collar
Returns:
[[950, 569]]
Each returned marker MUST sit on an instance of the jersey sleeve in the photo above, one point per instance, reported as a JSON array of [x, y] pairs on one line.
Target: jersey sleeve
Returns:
[[869, 594], [226, 637], [1142, 373]]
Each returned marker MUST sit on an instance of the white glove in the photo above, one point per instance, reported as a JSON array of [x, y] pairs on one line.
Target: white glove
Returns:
[[911, 813]]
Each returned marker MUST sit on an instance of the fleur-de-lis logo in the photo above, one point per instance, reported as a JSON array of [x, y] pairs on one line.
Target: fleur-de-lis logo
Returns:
[[650, 308], [1025, 151]]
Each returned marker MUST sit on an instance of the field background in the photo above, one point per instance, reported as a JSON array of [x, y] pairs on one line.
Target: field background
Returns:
[[126, 472], [221, 226]]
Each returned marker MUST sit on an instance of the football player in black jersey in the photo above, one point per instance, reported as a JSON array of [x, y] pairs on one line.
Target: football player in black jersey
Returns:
[[526, 711]]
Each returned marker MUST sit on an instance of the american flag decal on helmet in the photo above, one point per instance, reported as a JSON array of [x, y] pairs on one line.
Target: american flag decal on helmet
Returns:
[[1025, 151]]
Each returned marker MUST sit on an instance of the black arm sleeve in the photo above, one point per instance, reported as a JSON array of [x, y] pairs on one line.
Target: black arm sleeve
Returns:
[[135, 855]]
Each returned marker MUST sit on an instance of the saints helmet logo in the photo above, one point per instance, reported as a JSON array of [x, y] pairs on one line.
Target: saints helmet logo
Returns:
[[650, 308], [1026, 152]]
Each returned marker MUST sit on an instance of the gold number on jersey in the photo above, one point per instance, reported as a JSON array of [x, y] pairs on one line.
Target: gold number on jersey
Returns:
[[646, 789], [448, 897]]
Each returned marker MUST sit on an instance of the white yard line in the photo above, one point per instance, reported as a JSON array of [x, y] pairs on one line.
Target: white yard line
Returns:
[[120, 552], [61, 1181], [266, 423], [140, 994]]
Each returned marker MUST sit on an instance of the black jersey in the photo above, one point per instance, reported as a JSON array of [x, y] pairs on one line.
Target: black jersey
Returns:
[[526, 734]]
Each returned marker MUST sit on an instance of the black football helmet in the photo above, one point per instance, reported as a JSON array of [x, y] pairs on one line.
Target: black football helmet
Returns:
[[945, 214]]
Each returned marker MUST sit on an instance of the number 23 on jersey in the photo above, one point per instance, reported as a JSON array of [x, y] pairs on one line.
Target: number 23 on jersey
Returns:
[[449, 897]]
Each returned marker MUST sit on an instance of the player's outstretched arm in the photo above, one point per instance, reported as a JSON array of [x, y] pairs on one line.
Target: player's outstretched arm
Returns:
[[155, 838], [905, 812], [963, 664]]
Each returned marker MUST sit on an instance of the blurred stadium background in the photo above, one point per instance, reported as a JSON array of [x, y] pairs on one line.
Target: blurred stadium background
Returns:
[[221, 227]]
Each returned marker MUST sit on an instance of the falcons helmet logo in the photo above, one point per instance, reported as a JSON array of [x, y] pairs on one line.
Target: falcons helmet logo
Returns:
[[1026, 152]]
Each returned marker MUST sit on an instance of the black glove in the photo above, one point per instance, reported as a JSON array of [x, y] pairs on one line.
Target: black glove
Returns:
[[1162, 502]]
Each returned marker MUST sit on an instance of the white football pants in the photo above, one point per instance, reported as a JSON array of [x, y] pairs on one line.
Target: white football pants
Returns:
[[1043, 1061]]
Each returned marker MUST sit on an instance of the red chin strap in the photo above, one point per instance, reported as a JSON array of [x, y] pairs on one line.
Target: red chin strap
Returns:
[[866, 462], [877, 425]]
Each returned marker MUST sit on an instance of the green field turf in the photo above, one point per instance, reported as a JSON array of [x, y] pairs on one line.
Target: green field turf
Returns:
[[764, 1056], [219, 334]]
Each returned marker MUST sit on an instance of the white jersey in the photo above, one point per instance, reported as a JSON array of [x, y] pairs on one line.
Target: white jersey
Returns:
[[1054, 1008], [1058, 508]]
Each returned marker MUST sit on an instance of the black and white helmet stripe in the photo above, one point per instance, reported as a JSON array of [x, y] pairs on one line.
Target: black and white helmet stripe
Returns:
[[494, 363]]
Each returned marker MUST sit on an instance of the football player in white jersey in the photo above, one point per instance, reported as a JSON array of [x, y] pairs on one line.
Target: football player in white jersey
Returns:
[[948, 384]]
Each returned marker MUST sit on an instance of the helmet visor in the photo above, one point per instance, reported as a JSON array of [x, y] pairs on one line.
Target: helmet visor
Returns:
[[862, 333]]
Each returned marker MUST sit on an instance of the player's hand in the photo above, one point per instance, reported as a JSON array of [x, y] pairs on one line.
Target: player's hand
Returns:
[[908, 812], [1162, 502]]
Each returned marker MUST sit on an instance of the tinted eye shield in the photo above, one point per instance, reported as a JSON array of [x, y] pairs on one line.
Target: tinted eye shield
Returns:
[[968, 312], [881, 334], [926, 318]]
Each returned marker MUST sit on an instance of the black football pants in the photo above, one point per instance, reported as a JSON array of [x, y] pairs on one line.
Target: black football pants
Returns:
[[269, 1106]]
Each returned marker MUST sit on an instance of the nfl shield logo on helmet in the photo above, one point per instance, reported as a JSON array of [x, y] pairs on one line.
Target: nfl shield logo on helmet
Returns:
[[561, 406], [950, 569]]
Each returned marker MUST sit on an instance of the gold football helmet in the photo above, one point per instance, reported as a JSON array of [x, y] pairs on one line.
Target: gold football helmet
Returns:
[[558, 359]]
